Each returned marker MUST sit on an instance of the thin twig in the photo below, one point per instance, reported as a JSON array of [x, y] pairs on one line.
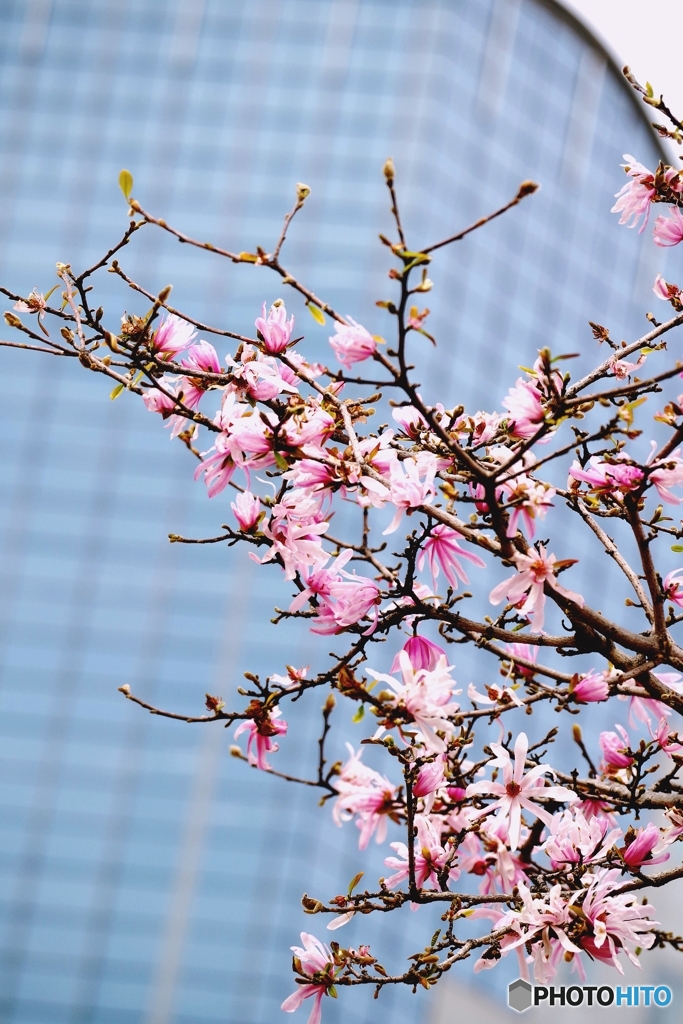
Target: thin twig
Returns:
[[524, 190]]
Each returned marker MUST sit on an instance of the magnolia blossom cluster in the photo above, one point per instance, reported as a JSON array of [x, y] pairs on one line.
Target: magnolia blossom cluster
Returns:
[[295, 437], [403, 530], [496, 821], [500, 829]]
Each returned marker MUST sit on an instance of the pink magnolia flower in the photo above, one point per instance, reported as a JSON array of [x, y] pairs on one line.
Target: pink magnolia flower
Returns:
[[314, 473], [576, 839], [482, 426], [617, 477], [442, 551], [248, 431], [517, 791], [540, 925], [33, 303], [457, 794], [633, 200], [367, 794], [173, 335], [668, 229], [293, 678], [355, 597], [320, 583], [619, 922], [527, 499], [590, 688], [379, 454], [668, 741], [344, 598], [430, 777], [311, 426], [525, 589], [666, 474], [521, 651], [592, 808], [640, 708], [315, 962], [503, 695], [247, 509], [411, 483], [430, 857], [166, 404], [310, 370], [622, 368], [302, 505], [410, 420], [218, 468], [260, 377], [424, 697], [298, 544], [157, 401], [675, 830], [525, 409], [262, 725], [203, 358], [673, 587], [275, 329], [352, 343], [422, 654], [615, 747], [643, 846], [662, 289], [486, 856]]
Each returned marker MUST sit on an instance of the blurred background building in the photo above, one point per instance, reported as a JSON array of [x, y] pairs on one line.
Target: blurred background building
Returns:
[[147, 876]]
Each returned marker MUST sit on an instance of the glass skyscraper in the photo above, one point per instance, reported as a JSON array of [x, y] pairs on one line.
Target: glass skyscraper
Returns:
[[147, 876]]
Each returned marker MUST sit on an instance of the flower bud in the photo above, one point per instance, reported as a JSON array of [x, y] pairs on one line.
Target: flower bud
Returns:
[[422, 653], [527, 188], [311, 906]]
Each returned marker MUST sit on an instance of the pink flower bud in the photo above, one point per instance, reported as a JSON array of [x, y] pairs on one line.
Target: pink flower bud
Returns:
[[276, 329], [614, 748], [429, 778], [173, 335], [640, 844], [410, 420], [423, 654], [202, 356], [673, 587], [664, 290], [247, 509], [352, 343], [669, 230], [590, 688]]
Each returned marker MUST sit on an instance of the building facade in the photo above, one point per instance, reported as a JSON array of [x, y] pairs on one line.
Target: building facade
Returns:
[[147, 877]]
